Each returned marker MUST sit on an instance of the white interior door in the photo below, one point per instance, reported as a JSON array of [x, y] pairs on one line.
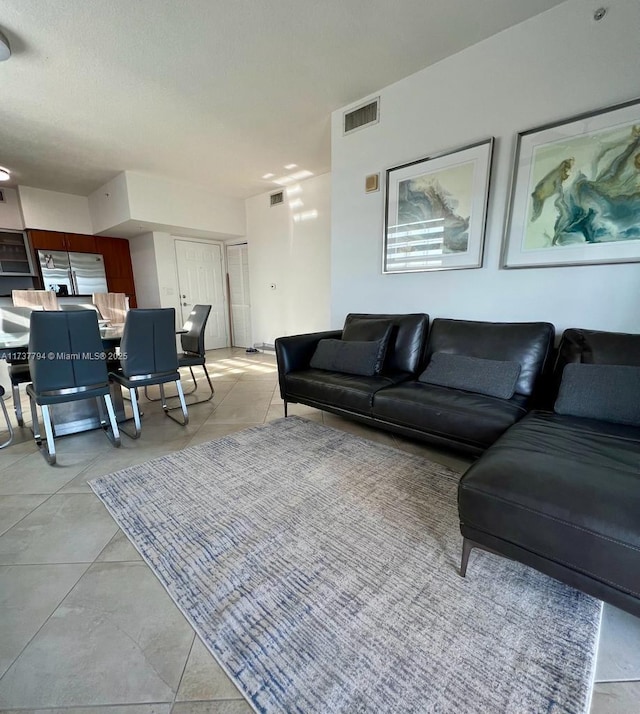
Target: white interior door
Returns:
[[239, 298], [201, 282]]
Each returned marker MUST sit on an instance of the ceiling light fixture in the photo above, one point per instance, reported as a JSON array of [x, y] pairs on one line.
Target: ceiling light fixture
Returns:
[[5, 174], [291, 166], [268, 176], [5, 49], [299, 175]]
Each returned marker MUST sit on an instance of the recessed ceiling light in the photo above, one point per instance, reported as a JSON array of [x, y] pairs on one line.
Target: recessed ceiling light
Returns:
[[299, 175], [5, 174], [291, 166], [268, 176]]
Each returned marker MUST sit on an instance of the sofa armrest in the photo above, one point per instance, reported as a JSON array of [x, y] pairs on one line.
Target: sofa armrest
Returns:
[[295, 352]]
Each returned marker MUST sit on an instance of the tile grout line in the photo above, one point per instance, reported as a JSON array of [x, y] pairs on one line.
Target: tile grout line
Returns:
[[10, 667], [184, 668], [10, 495]]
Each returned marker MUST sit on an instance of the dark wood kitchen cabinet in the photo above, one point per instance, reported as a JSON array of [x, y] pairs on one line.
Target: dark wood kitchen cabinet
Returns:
[[53, 240], [47, 240], [117, 266], [77, 243]]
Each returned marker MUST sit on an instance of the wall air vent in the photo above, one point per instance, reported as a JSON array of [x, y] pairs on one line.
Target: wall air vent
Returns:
[[2, 199], [362, 116], [276, 198]]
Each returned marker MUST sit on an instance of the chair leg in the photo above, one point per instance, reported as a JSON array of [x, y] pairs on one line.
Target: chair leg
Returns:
[[208, 398], [35, 423], [17, 406], [183, 405], [171, 396], [133, 398], [9, 427], [148, 398], [49, 452], [286, 408], [114, 434]]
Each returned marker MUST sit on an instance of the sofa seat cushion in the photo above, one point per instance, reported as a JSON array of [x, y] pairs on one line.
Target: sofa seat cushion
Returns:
[[474, 419], [343, 391], [565, 488]]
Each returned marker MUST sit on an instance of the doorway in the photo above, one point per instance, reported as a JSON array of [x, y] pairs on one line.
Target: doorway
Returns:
[[239, 296], [200, 281]]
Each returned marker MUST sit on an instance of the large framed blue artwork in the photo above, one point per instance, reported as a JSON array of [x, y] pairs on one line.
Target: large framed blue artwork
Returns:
[[575, 195], [435, 211]]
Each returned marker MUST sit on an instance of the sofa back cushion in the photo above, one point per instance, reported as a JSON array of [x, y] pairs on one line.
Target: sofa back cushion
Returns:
[[493, 378], [350, 357], [597, 347], [609, 392], [407, 341], [594, 347], [529, 344]]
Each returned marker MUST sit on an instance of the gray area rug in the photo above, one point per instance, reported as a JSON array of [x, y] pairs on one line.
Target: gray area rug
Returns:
[[320, 569]]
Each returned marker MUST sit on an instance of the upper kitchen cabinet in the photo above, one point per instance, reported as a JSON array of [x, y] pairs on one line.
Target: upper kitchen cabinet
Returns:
[[47, 240], [81, 244], [72, 242]]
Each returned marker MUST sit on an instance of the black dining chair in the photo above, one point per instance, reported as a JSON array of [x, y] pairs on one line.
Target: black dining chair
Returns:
[[6, 418], [193, 353], [67, 364], [148, 355], [16, 320]]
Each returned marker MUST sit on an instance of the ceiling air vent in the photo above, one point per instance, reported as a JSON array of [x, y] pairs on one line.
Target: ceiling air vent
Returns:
[[276, 198], [362, 116]]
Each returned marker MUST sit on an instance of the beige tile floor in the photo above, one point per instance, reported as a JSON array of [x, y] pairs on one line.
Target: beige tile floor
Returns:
[[85, 626]]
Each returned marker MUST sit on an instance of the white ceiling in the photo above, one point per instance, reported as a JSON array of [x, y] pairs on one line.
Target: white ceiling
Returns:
[[209, 92]]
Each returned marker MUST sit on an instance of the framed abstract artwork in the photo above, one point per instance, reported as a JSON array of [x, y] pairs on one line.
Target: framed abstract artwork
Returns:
[[575, 194], [435, 211]]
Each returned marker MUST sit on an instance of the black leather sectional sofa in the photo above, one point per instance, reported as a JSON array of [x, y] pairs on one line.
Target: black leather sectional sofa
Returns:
[[558, 490]]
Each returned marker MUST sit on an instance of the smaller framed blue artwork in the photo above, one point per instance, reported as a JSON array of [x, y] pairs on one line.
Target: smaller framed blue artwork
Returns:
[[436, 210]]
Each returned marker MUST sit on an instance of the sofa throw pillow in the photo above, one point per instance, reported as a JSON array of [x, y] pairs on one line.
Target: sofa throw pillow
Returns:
[[494, 378], [609, 392], [350, 357], [368, 331]]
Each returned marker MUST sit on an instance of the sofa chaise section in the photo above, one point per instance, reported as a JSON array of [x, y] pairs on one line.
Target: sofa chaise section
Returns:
[[561, 493]]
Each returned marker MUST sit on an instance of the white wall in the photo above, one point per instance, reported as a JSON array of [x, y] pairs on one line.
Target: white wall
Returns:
[[295, 256], [549, 68], [171, 203], [10, 215], [54, 211], [145, 273], [109, 205]]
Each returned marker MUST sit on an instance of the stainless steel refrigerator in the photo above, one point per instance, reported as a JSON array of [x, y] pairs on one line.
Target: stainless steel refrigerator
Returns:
[[72, 273]]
